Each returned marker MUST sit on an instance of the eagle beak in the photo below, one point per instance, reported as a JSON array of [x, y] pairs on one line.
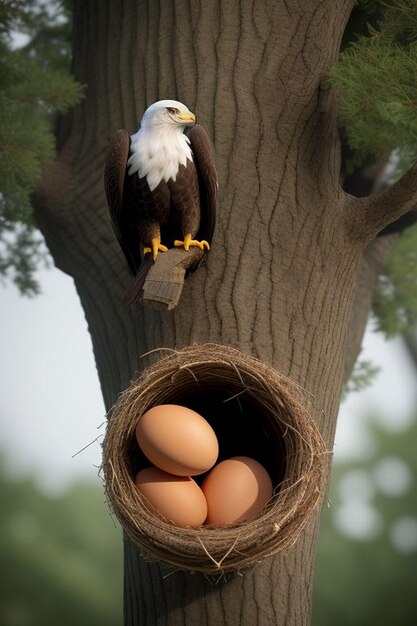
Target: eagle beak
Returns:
[[186, 118]]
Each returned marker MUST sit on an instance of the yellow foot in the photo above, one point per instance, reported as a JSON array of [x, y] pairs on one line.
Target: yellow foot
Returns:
[[191, 242], [156, 247]]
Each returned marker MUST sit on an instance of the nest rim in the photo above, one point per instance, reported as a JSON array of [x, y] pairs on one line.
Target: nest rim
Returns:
[[216, 549]]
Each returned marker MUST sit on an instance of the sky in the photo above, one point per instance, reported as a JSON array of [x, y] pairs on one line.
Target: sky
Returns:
[[50, 401]]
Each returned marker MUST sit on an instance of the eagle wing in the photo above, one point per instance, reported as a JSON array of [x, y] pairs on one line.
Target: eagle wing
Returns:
[[114, 179], [207, 176]]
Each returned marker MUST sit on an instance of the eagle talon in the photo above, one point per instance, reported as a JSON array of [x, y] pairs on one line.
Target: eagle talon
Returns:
[[191, 242], [156, 247]]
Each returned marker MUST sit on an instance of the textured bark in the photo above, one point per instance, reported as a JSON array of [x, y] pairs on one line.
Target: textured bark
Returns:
[[280, 279], [372, 262]]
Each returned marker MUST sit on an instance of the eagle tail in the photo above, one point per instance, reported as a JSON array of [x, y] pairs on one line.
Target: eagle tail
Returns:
[[134, 293]]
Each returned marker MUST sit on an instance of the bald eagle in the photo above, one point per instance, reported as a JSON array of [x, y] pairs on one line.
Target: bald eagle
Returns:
[[161, 187]]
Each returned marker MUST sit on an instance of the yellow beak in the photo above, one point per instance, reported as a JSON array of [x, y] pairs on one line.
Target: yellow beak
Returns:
[[186, 118]]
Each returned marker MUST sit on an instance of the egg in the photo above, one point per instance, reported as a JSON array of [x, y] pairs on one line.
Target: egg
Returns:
[[178, 498], [236, 489], [177, 440]]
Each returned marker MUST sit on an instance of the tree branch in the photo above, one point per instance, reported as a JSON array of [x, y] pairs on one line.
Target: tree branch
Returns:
[[400, 225], [367, 217]]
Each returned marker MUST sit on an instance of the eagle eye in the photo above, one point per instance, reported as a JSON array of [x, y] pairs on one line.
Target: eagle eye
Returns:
[[172, 111]]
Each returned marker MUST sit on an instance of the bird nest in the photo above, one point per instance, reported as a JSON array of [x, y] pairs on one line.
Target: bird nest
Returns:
[[256, 412]]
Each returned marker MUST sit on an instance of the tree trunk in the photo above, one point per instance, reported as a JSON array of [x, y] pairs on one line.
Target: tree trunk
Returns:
[[280, 279]]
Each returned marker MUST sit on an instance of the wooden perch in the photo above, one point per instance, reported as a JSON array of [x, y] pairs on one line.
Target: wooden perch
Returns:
[[165, 280]]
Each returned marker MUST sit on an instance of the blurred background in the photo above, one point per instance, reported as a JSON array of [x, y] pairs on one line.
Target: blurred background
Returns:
[[61, 552]]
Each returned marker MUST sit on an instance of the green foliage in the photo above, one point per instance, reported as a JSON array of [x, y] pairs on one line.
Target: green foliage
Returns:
[[375, 78], [366, 580], [22, 250], [61, 557], [363, 375], [35, 85]]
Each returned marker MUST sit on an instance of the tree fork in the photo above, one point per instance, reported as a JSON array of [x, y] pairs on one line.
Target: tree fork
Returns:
[[371, 215]]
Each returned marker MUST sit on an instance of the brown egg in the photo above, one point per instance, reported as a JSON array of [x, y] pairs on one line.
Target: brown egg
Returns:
[[177, 440], [235, 490], [178, 498]]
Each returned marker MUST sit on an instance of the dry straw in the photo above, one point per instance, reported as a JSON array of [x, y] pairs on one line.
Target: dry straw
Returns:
[[249, 397]]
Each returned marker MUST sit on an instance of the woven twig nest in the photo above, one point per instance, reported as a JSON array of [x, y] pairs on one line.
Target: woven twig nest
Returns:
[[255, 412]]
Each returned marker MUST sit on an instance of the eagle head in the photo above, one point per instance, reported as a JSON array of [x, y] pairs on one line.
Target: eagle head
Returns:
[[160, 145], [167, 114]]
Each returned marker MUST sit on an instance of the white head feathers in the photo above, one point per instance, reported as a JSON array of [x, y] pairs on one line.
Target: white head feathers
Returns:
[[160, 146]]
